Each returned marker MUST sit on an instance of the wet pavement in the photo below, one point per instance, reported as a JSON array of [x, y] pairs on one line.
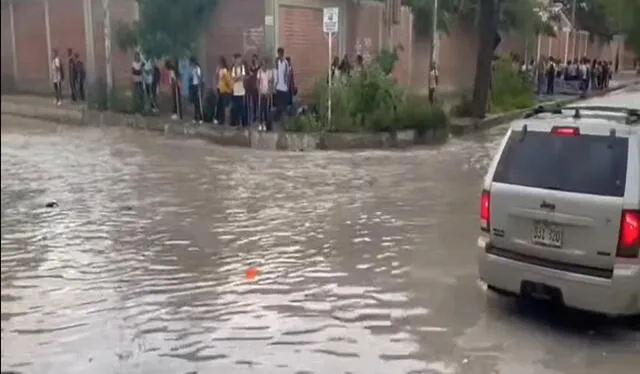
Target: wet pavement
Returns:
[[366, 263]]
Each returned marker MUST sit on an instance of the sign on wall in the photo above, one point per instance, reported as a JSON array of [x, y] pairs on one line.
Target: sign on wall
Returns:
[[330, 20]]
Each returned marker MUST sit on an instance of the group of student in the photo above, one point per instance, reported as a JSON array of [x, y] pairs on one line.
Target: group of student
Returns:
[[592, 74], [76, 74], [254, 92]]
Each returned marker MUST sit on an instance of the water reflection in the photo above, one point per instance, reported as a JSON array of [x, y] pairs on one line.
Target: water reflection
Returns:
[[366, 261]]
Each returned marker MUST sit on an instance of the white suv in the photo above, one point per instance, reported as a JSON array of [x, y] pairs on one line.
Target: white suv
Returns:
[[560, 207]]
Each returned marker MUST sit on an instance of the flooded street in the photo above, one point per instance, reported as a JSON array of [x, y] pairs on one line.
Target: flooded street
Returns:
[[366, 263]]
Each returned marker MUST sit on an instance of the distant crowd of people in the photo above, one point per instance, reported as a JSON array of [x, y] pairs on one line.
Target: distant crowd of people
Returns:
[[75, 73], [588, 74]]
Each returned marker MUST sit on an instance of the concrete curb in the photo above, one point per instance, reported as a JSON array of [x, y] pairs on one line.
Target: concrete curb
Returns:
[[223, 135], [464, 126]]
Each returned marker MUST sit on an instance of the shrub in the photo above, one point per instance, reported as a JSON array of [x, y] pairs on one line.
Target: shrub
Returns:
[[361, 103], [417, 114], [304, 123], [367, 101], [509, 89]]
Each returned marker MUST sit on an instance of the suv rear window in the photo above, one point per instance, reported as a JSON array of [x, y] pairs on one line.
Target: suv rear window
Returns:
[[584, 164]]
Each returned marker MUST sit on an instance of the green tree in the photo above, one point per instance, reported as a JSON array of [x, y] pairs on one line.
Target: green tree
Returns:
[[623, 16], [590, 16], [489, 17], [167, 27], [494, 16]]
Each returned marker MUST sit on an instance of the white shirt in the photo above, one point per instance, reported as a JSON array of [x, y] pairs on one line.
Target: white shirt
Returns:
[[238, 86], [282, 69], [583, 71], [56, 70], [196, 75]]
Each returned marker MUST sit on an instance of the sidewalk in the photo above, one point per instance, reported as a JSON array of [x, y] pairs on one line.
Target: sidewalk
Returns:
[[463, 126]]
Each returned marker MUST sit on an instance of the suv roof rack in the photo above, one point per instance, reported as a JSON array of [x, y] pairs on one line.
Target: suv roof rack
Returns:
[[632, 116], [543, 109]]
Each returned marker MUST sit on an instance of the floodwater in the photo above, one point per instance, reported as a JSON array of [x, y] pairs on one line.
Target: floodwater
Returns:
[[366, 263]]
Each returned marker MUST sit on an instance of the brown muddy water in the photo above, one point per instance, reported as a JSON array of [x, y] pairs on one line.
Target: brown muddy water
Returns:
[[366, 263]]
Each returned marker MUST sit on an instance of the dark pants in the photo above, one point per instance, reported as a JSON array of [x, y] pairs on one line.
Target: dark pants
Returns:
[[431, 94], [221, 107], [80, 88], [196, 99], [265, 108], [282, 101], [550, 85], [150, 91], [138, 97], [253, 105], [72, 86], [238, 112], [57, 89], [176, 97]]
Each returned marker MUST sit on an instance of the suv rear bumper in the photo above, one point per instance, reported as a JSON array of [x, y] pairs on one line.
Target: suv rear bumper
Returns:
[[618, 296]]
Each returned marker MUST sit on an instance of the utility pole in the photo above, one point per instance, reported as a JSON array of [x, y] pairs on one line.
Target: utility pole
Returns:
[[574, 29], [107, 46]]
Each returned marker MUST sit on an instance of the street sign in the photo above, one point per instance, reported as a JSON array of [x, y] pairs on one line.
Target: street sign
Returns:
[[330, 20]]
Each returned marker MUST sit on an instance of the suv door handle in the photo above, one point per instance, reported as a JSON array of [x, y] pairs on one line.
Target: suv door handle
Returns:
[[547, 205]]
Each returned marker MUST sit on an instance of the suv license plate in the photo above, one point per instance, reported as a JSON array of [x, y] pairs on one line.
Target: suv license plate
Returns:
[[547, 234]]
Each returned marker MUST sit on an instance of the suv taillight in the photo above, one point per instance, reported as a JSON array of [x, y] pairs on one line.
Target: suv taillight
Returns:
[[485, 203], [629, 240]]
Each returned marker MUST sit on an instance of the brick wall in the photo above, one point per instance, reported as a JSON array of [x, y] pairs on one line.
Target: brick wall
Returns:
[[31, 45], [237, 27]]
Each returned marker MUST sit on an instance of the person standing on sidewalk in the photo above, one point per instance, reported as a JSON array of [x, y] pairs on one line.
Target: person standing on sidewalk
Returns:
[[81, 76], [252, 89], [149, 81], [195, 90], [136, 81], [264, 78], [433, 83], [225, 90], [57, 76], [176, 95], [73, 79], [283, 73], [551, 76], [238, 74]]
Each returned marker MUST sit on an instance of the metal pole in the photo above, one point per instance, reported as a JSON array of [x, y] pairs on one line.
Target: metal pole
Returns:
[[330, 81], [107, 45], [574, 31]]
